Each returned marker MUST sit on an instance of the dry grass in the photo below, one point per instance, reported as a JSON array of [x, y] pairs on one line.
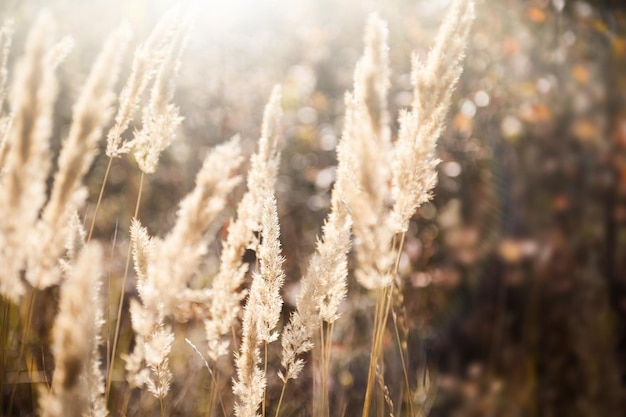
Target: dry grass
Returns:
[[230, 316]]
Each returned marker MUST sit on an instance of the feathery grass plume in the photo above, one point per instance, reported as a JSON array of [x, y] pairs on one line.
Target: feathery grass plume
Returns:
[[413, 171], [261, 178], [91, 112], [260, 316], [366, 147], [380, 380], [143, 248], [324, 285], [322, 288], [145, 60], [250, 384], [6, 35], [178, 256], [267, 284], [148, 364], [414, 174], [74, 242], [370, 130], [160, 117], [5, 127], [75, 335], [164, 267], [58, 53], [373, 77], [143, 324], [23, 183], [94, 378], [367, 202]]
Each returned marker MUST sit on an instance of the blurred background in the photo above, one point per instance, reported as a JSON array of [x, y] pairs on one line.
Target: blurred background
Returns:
[[515, 273]]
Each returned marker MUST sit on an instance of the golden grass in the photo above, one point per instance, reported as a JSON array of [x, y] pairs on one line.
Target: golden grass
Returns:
[[229, 323]]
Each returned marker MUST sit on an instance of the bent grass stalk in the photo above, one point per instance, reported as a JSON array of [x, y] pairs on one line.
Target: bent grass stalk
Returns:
[[213, 386]]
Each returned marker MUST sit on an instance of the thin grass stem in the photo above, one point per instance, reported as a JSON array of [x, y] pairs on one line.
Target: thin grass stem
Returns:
[[108, 307], [24, 342], [219, 395], [121, 300], [326, 363], [404, 366], [210, 399], [6, 317], [374, 354], [383, 306], [264, 376], [280, 400], [100, 195]]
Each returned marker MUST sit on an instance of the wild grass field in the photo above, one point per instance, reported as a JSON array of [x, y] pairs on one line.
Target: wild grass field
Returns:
[[401, 208]]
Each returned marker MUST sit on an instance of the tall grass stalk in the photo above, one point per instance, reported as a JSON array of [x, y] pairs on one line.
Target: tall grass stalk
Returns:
[[120, 303], [107, 335], [90, 113], [260, 181], [381, 316], [32, 96], [75, 388], [326, 342], [413, 174], [27, 163], [323, 285], [165, 266], [158, 129], [4, 342], [145, 59], [260, 316], [403, 360]]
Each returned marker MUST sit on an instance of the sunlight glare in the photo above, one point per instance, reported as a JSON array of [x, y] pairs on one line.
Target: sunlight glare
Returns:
[[226, 13]]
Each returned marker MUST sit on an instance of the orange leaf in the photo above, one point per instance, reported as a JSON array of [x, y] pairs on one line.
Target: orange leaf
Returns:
[[510, 46], [600, 26], [561, 202], [585, 130], [619, 132], [619, 46], [581, 74], [621, 170], [536, 15], [536, 113], [462, 123], [510, 251], [542, 112]]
